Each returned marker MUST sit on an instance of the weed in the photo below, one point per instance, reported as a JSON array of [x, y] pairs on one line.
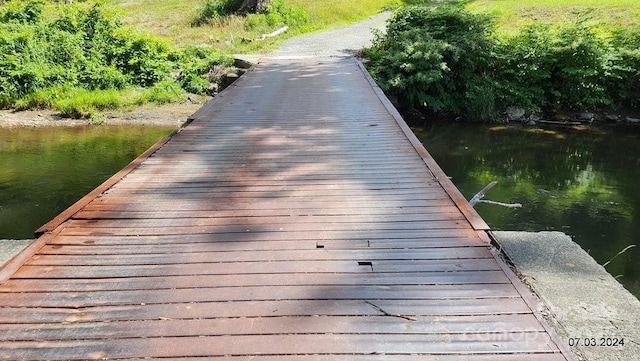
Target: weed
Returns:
[[83, 103]]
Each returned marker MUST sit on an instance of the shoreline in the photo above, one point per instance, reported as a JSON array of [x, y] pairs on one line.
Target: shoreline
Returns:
[[173, 114]]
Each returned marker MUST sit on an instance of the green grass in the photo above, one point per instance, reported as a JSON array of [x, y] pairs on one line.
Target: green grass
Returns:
[[171, 19], [513, 14]]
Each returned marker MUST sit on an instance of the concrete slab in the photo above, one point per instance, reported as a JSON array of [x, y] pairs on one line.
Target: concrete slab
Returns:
[[589, 309], [9, 248]]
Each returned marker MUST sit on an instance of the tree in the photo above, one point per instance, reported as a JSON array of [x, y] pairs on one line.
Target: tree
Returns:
[[253, 6]]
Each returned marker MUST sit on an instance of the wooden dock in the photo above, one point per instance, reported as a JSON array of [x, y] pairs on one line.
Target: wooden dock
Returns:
[[295, 218]]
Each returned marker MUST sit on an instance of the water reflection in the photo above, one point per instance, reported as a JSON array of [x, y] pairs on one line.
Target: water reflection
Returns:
[[581, 182], [45, 170]]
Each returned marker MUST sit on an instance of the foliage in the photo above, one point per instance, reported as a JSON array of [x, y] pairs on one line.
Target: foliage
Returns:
[[61, 59], [437, 58], [448, 61], [25, 12], [212, 9], [555, 68], [196, 64], [276, 13], [623, 82]]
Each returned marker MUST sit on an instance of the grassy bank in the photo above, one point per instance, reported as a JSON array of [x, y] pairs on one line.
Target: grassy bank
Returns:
[[173, 19], [512, 15], [85, 57]]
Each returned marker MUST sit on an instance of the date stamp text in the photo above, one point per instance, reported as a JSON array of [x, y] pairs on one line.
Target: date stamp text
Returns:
[[596, 341]]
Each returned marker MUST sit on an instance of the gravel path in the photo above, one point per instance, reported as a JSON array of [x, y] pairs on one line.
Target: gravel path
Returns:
[[338, 42]]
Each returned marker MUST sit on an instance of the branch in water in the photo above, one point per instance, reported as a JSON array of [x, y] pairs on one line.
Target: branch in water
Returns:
[[508, 205], [478, 198]]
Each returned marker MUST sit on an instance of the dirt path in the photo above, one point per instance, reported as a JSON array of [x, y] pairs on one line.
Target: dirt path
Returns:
[[338, 42], [341, 41]]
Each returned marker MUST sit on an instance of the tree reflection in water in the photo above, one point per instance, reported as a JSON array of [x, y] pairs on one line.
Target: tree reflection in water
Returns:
[[583, 182]]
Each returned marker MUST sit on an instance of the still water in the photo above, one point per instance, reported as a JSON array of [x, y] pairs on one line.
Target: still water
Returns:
[[585, 183], [45, 170]]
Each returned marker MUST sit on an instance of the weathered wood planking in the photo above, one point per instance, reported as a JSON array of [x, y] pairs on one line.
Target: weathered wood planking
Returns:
[[295, 218]]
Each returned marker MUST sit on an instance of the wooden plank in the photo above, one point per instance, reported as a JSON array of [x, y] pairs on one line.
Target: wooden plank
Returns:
[[433, 213], [317, 324], [222, 179], [231, 256], [258, 238], [462, 344], [197, 188], [267, 198], [281, 224], [259, 229], [254, 309], [170, 204], [278, 279], [274, 236], [249, 293], [135, 245], [308, 267]]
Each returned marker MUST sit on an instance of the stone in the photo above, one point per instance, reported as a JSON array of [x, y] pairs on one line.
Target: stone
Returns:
[[242, 63], [514, 113], [585, 117], [611, 117], [10, 248]]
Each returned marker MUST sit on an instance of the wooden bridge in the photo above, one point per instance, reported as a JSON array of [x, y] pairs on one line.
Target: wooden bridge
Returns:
[[295, 218]]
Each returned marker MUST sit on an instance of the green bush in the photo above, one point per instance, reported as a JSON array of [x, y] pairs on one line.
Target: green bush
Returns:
[[24, 12], [46, 59], [436, 58], [555, 68], [624, 79], [195, 65], [213, 9], [166, 91], [276, 13], [447, 61]]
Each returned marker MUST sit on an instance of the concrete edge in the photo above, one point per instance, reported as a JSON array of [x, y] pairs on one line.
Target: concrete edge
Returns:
[[591, 311]]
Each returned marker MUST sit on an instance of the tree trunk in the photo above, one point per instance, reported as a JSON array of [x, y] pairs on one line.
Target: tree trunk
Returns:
[[253, 6]]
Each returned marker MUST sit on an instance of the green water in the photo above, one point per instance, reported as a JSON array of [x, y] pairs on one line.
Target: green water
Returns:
[[585, 183], [45, 170]]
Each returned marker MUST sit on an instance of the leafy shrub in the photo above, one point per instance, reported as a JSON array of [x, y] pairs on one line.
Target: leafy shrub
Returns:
[[281, 13], [624, 80], [212, 9], [24, 12], [447, 61], [195, 65], [276, 12], [436, 58], [556, 68], [46, 60], [166, 91]]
